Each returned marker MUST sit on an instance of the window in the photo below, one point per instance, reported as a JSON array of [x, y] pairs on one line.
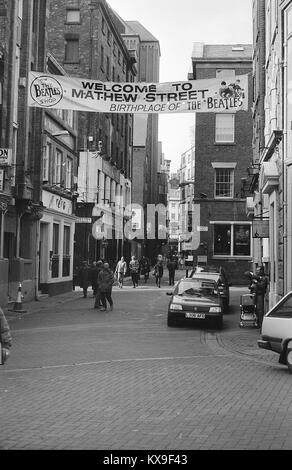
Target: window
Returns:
[[284, 309], [57, 166], [224, 128], [66, 251], [72, 50], [225, 73], [46, 162], [73, 16], [55, 247], [224, 182], [68, 173], [232, 239]]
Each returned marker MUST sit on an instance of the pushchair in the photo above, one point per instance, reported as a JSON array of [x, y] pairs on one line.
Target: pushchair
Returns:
[[248, 315]]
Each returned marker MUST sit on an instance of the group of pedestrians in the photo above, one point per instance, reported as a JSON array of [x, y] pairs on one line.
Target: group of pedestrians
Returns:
[[101, 278]]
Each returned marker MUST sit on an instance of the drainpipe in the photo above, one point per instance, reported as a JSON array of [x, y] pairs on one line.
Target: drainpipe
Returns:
[[284, 147]]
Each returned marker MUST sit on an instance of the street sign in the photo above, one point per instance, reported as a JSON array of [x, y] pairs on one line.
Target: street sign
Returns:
[[5, 156]]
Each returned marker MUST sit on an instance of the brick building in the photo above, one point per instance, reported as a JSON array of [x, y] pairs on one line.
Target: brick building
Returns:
[[223, 154]]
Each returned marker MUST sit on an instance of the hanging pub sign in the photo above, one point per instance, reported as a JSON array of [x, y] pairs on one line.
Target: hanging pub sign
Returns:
[[260, 228], [208, 95]]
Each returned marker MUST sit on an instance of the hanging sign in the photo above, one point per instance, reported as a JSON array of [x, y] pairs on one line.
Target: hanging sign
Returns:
[[209, 95], [260, 228]]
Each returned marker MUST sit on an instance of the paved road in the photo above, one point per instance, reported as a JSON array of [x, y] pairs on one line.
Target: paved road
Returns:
[[82, 379]]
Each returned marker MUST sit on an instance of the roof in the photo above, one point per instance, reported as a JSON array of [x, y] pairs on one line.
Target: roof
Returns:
[[134, 27], [222, 51]]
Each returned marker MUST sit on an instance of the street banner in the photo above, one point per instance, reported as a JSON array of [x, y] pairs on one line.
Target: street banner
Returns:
[[210, 95]]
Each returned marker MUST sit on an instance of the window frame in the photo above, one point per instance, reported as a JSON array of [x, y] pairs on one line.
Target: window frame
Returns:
[[232, 225], [232, 128], [231, 183]]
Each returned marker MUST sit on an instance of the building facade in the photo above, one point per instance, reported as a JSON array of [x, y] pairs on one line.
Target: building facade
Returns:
[[86, 41], [272, 186], [223, 154]]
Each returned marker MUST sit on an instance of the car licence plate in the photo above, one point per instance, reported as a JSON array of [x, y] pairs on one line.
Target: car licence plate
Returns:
[[195, 315]]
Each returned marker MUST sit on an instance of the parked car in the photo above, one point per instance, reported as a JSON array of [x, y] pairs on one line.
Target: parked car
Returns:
[[276, 332], [217, 274], [195, 301]]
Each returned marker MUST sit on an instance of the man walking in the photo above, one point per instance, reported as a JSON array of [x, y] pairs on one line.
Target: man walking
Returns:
[[120, 271], [171, 266], [105, 281], [134, 270]]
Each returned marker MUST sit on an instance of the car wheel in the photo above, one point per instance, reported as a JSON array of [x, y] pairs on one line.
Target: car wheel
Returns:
[[289, 355]]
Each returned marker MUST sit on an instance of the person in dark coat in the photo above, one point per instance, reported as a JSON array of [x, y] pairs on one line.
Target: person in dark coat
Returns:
[[171, 266], [258, 286], [105, 281], [97, 302], [145, 268], [5, 338], [84, 278], [158, 271]]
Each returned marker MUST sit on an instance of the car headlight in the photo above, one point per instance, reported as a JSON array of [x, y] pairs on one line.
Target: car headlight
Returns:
[[176, 307], [215, 309]]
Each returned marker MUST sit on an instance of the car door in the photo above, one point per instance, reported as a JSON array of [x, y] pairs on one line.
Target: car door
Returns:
[[277, 323]]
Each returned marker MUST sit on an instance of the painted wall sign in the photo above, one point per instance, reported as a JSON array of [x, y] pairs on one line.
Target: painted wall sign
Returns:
[[208, 95], [57, 203]]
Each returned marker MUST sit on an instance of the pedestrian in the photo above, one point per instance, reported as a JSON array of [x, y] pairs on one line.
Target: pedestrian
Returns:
[[97, 302], [5, 338], [158, 271], [120, 271], [84, 277], [258, 286], [134, 270], [105, 281], [171, 266], [145, 268], [93, 277]]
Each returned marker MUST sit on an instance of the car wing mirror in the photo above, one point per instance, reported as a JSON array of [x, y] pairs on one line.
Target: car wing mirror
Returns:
[[169, 293]]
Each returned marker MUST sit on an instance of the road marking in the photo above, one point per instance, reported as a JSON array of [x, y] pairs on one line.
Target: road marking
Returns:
[[113, 361]]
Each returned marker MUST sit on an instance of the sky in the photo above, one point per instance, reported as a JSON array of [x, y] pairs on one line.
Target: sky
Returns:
[[177, 24]]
